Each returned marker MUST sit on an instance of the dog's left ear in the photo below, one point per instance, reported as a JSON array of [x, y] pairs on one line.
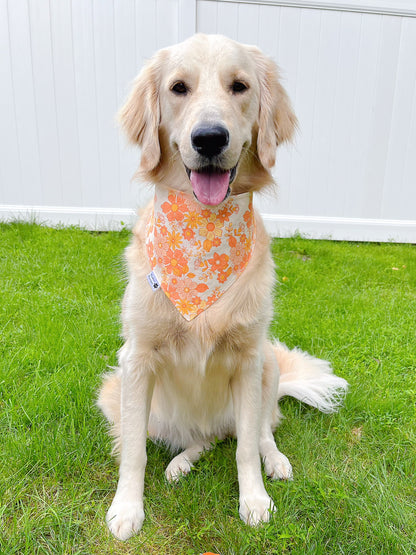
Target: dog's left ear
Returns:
[[140, 115], [277, 121]]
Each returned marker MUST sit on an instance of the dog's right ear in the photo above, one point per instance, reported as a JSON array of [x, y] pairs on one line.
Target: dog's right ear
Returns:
[[140, 115], [277, 121]]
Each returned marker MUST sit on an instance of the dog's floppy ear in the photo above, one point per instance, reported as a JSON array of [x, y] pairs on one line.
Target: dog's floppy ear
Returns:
[[140, 115], [277, 121]]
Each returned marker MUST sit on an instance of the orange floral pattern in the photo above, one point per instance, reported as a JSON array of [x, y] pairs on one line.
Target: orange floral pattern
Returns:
[[198, 252]]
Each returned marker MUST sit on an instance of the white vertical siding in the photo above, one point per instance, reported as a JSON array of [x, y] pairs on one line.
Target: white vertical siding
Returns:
[[85, 98], [351, 77], [10, 176], [65, 68], [23, 107], [400, 169]]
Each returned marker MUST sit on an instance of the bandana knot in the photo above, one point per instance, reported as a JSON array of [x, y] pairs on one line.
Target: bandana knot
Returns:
[[197, 252]]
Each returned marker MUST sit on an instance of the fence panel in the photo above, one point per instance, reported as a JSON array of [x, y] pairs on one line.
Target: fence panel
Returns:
[[65, 68]]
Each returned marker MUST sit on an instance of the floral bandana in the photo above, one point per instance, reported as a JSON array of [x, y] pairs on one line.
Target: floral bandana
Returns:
[[197, 252]]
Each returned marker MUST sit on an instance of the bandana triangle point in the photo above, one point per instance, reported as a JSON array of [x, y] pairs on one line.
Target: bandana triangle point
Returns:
[[197, 252]]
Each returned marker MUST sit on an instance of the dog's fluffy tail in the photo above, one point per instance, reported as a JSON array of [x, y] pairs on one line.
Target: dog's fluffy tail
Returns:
[[309, 379]]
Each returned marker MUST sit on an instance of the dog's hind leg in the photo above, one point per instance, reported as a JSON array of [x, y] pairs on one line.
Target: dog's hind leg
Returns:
[[182, 464], [276, 465]]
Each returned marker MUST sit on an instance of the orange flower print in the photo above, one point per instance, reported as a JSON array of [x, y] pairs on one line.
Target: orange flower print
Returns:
[[238, 260], [240, 253], [207, 245], [244, 242], [193, 219], [175, 263], [224, 214], [249, 218], [174, 240], [223, 276], [206, 213], [160, 244], [237, 253], [188, 233], [219, 262], [174, 282], [150, 250], [174, 208], [230, 229], [160, 247], [186, 288], [202, 265], [232, 241], [244, 262], [212, 298], [172, 292], [211, 228], [185, 306], [202, 287], [199, 304]]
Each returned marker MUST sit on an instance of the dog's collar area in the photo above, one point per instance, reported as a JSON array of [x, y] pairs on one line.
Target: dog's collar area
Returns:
[[197, 252]]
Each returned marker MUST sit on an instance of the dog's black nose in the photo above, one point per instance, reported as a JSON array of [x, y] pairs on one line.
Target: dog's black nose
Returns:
[[210, 140]]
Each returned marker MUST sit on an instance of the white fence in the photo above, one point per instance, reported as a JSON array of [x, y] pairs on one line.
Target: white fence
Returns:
[[349, 67]]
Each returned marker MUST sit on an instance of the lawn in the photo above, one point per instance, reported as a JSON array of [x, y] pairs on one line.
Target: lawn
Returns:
[[354, 488]]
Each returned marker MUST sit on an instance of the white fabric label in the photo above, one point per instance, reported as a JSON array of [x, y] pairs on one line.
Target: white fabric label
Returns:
[[153, 281]]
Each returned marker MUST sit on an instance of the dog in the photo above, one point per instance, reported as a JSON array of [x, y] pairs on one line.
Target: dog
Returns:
[[196, 363]]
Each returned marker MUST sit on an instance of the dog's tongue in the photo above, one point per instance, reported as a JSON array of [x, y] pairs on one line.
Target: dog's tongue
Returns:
[[210, 188]]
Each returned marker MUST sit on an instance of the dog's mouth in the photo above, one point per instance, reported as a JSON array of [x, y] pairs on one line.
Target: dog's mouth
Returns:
[[211, 185]]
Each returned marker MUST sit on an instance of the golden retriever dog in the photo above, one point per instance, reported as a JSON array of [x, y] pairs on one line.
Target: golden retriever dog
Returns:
[[197, 363]]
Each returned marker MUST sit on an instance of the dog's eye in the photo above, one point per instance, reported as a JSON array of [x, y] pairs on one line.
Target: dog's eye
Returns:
[[238, 87], [179, 88]]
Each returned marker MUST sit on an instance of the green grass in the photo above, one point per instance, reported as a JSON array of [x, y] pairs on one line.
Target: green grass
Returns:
[[354, 488]]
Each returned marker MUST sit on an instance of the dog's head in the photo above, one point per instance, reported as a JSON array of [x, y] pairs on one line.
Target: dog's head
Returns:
[[208, 115]]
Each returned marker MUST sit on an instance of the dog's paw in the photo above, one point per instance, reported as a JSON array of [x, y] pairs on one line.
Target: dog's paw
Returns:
[[277, 466], [178, 467], [124, 519], [256, 509]]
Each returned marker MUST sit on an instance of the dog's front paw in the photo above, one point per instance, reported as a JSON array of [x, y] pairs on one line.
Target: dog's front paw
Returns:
[[178, 466], [125, 519], [256, 509], [277, 466]]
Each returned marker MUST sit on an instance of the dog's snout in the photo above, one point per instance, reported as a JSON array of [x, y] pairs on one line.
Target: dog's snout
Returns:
[[210, 140]]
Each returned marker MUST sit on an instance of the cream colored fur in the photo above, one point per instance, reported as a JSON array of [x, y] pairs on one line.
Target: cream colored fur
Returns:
[[187, 383]]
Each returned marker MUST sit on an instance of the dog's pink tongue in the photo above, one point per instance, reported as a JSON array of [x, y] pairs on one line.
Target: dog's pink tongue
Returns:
[[210, 188]]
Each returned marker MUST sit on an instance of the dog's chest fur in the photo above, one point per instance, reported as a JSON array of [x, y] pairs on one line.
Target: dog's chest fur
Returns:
[[233, 325]]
